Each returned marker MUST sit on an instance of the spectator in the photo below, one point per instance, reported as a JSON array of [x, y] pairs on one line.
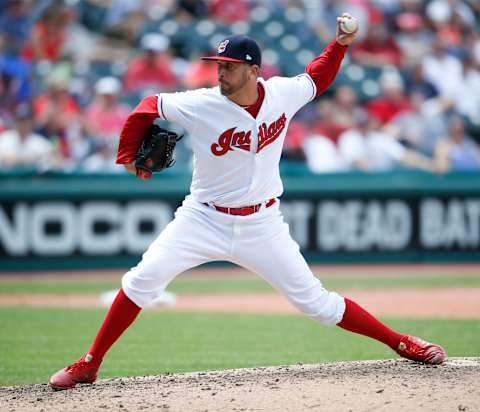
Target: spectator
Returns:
[[15, 86], [366, 148], [230, 11], [16, 20], [392, 102], [3, 124], [21, 147], [457, 151], [105, 116], [322, 155], [293, 144], [197, 9], [422, 125], [413, 38], [124, 18], [14, 26], [48, 35], [379, 48], [449, 19], [120, 19], [103, 159], [57, 115], [152, 69], [325, 125], [345, 105], [444, 71], [442, 12], [416, 82], [467, 100], [55, 110], [199, 74], [474, 46]]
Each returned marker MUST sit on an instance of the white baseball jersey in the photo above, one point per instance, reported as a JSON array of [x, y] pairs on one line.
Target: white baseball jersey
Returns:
[[236, 164], [236, 156]]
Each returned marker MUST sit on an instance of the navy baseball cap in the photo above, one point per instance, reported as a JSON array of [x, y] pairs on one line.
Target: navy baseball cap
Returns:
[[239, 48]]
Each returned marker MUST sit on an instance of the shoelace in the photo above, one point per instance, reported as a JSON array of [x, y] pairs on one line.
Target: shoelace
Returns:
[[77, 365], [80, 364], [419, 344]]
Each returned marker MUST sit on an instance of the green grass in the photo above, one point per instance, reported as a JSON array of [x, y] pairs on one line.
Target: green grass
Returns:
[[34, 343], [237, 285]]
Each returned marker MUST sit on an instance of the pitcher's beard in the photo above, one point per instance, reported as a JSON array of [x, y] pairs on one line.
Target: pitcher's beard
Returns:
[[229, 89], [226, 90]]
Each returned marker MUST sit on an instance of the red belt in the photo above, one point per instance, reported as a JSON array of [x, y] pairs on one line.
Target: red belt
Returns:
[[242, 211]]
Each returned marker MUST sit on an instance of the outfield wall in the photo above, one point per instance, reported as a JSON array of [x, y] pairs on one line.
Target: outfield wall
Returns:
[[99, 221]]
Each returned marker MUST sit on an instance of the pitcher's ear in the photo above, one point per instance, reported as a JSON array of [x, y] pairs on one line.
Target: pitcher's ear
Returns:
[[255, 70]]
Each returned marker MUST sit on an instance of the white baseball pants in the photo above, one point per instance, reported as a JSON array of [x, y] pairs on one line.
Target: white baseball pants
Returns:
[[259, 242]]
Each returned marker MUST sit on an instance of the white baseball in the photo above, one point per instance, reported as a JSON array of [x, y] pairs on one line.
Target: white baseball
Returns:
[[349, 25]]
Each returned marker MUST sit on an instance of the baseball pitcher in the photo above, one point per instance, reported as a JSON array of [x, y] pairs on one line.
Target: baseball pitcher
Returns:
[[232, 212]]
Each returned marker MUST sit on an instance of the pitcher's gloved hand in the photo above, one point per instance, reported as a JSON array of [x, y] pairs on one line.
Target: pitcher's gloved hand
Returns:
[[156, 152]]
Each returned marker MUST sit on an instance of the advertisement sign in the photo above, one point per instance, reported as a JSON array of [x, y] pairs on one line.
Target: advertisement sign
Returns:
[[353, 227]]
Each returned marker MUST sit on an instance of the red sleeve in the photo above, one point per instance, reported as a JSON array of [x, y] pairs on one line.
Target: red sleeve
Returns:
[[324, 68], [135, 128]]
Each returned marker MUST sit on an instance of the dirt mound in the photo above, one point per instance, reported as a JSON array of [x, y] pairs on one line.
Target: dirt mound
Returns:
[[393, 385]]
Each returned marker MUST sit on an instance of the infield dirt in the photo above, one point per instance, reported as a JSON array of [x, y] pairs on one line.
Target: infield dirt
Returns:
[[389, 385], [452, 303]]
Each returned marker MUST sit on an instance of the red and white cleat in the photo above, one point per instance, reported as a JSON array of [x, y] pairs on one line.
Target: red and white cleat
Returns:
[[418, 350], [82, 371]]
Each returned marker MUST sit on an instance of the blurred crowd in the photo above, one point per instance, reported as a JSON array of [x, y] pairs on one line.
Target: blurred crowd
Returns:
[[407, 96]]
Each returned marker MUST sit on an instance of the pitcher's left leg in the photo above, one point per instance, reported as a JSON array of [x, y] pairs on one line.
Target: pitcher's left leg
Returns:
[[277, 258]]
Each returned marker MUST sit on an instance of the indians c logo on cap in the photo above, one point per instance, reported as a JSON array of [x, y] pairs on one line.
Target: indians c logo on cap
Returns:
[[222, 46]]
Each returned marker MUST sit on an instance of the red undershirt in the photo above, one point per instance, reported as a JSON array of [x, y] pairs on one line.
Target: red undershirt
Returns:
[[322, 70], [254, 108]]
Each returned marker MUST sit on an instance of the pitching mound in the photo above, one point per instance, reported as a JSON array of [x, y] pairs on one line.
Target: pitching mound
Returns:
[[393, 385]]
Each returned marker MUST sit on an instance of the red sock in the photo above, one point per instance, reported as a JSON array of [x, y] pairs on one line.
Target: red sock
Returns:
[[358, 320], [120, 316]]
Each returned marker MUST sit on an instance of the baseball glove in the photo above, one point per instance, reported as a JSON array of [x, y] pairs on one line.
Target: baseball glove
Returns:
[[156, 151]]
